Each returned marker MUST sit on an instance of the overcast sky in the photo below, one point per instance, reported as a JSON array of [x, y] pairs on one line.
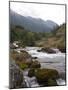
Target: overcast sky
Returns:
[[55, 13]]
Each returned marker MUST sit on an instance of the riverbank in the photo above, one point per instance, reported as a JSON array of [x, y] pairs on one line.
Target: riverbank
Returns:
[[52, 61]]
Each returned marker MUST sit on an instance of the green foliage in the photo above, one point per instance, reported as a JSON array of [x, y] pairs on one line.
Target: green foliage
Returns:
[[43, 75], [29, 38], [23, 65], [16, 33]]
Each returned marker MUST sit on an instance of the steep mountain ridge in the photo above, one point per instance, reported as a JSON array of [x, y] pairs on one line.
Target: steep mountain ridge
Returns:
[[30, 23]]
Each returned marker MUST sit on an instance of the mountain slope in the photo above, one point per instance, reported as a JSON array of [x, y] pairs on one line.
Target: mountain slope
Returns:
[[56, 40], [33, 24]]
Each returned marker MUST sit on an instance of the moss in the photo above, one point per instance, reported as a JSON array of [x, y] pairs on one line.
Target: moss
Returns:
[[43, 75], [22, 65], [51, 82], [31, 72], [33, 67], [35, 64]]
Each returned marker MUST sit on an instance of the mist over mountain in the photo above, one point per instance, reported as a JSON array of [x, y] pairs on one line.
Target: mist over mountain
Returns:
[[32, 24]]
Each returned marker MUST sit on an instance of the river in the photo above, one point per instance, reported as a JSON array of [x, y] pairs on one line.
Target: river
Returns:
[[51, 61]]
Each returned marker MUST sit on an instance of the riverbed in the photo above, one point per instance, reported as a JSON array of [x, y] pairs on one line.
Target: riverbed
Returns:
[[51, 61]]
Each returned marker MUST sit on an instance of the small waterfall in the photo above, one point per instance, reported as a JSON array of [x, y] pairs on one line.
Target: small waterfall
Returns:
[[30, 81], [60, 81], [54, 61]]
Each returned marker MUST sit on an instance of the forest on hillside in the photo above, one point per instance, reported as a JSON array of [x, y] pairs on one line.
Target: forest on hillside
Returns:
[[55, 38]]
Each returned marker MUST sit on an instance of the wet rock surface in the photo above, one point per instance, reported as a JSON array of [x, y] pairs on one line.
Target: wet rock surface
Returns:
[[33, 69], [45, 77], [16, 76], [48, 50]]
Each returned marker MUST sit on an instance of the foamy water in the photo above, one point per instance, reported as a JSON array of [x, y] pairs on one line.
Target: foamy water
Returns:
[[51, 61]]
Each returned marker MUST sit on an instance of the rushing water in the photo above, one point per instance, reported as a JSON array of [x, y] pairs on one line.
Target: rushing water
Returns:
[[52, 61], [30, 81], [56, 60]]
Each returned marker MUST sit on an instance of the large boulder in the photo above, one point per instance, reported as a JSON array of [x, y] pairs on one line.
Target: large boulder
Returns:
[[16, 77], [12, 46], [44, 76], [23, 56], [48, 50], [22, 59], [35, 64], [51, 82], [22, 65]]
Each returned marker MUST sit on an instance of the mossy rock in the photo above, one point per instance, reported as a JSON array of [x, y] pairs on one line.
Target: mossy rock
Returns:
[[35, 64], [22, 65], [43, 75], [31, 72], [51, 82], [22, 56], [48, 50]]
